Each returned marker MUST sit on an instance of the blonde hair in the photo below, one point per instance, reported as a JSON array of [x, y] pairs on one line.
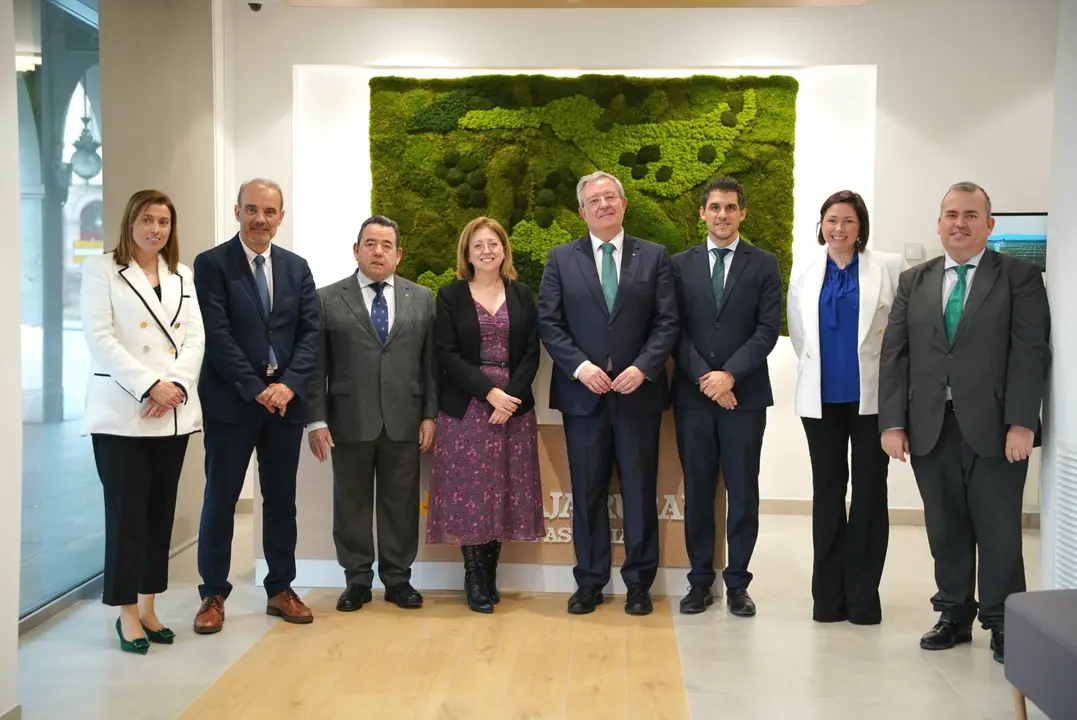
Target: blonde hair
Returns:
[[125, 248], [464, 269]]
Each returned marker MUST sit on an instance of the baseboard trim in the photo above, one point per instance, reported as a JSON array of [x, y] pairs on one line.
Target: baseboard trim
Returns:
[[1030, 519], [245, 506], [511, 577], [14, 713]]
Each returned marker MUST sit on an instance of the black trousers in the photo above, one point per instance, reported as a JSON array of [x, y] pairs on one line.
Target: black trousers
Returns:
[[849, 551], [228, 452], [594, 443], [707, 436], [393, 468], [972, 503], [140, 477]]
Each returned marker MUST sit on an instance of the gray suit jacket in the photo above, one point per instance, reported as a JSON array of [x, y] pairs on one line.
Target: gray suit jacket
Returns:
[[996, 367], [360, 386]]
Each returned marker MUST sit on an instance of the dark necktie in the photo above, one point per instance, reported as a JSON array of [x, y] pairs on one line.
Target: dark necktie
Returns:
[[718, 274], [263, 293], [609, 275], [379, 311]]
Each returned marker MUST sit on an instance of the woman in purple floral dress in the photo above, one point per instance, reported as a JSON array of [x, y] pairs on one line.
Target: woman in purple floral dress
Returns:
[[484, 487]]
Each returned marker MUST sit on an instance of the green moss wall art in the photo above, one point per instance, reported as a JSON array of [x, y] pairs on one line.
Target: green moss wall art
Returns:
[[513, 147]]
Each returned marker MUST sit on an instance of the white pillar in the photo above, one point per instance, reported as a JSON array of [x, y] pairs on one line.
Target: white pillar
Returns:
[[1059, 479], [10, 381]]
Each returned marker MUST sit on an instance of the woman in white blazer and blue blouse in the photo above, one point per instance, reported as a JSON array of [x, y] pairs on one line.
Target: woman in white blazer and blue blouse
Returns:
[[837, 311], [141, 321]]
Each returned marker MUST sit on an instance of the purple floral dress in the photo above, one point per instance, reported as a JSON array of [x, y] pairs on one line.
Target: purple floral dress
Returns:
[[485, 482]]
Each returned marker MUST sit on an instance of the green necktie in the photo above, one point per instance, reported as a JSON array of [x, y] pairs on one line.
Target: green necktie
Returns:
[[955, 304], [718, 273], [609, 275]]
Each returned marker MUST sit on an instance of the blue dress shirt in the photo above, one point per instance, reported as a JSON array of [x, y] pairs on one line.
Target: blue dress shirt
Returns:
[[839, 319]]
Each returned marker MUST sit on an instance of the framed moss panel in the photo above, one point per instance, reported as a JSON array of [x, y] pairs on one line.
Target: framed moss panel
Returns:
[[512, 147]]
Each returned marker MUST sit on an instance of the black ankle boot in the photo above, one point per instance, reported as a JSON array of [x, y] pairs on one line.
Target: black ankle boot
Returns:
[[478, 597], [493, 553]]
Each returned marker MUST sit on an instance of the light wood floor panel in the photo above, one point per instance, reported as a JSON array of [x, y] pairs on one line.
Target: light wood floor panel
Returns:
[[529, 660]]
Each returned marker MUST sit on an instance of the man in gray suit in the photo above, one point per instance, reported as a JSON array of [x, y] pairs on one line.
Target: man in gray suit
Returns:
[[962, 374], [373, 401]]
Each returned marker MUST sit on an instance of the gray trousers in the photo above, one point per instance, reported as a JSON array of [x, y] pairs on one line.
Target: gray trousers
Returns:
[[972, 503], [392, 468]]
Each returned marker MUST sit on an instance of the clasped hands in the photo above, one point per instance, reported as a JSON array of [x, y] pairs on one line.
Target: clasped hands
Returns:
[[504, 406], [718, 386], [275, 398], [598, 382], [164, 397]]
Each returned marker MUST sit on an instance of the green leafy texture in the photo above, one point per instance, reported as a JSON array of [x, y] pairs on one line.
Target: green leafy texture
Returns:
[[516, 145]]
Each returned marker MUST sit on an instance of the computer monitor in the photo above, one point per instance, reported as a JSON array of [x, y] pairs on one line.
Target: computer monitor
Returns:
[[1022, 235]]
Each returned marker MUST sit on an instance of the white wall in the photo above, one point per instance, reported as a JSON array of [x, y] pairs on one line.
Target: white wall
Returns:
[[11, 415], [962, 94], [1059, 556]]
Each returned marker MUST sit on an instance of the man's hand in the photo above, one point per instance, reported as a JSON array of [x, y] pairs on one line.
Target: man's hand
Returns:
[[896, 444], [426, 435], [154, 409], [263, 399], [320, 441], [167, 394], [279, 396], [716, 383], [502, 401], [1019, 441], [629, 380], [728, 400], [596, 380], [499, 417]]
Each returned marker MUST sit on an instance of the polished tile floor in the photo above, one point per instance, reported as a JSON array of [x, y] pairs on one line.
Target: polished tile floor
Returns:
[[778, 665]]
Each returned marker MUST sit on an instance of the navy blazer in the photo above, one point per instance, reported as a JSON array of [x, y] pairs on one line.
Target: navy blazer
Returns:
[[736, 337], [575, 324], [238, 335]]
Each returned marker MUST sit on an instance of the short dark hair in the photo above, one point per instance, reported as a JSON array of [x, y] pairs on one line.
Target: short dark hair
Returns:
[[722, 184], [379, 220], [847, 197]]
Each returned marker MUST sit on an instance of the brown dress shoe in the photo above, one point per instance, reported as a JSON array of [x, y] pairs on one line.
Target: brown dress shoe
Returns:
[[289, 608], [210, 616]]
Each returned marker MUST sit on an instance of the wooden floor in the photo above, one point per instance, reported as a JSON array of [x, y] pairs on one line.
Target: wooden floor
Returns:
[[530, 659]]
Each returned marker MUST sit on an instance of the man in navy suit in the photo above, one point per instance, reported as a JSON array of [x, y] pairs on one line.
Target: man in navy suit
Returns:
[[260, 310], [608, 317], [730, 298]]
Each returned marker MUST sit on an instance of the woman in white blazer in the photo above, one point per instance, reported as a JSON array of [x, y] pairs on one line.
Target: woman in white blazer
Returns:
[[141, 321], [837, 311]]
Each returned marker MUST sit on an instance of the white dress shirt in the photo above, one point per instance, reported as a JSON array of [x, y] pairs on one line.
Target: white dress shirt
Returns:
[[949, 280], [596, 247], [732, 247], [268, 267], [389, 292]]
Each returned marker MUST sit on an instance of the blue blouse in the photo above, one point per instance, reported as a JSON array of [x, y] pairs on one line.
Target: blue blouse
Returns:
[[839, 320]]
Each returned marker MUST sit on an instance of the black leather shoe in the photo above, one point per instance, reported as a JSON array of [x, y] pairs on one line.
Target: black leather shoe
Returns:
[[404, 595], [740, 603], [945, 635], [697, 600], [998, 646], [353, 598], [585, 600], [475, 588], [638, 601]]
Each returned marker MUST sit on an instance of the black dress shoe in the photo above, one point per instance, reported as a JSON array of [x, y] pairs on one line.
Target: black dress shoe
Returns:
[[740, 603], [353, 598], [638, 601], [585, 600], [998, 646], [697, 600], [945, 635], [404, 595]]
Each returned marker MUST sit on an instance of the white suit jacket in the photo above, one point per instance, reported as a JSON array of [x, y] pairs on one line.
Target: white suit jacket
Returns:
[[136, 340], [878, 279]]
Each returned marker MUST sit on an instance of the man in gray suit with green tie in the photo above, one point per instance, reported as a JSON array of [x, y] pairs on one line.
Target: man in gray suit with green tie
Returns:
[[372, 401]]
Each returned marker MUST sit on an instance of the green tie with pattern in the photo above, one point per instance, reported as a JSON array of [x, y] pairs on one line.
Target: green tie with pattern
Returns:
[[955, 304], [718, 273], [609, 275]]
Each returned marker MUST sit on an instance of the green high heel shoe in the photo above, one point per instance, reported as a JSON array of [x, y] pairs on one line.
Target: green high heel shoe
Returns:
[[164, 636], [139, 646]]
